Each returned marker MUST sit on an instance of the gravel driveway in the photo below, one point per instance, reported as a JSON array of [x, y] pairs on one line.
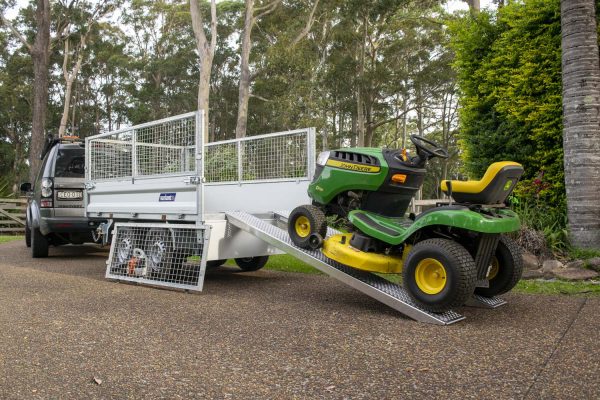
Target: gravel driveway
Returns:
[[65, 332]]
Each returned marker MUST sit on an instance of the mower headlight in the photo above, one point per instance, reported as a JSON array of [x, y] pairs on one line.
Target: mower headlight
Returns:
[[322, 158], [46, 187]]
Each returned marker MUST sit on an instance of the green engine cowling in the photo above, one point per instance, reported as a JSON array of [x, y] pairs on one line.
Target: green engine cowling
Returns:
[[382, 181]]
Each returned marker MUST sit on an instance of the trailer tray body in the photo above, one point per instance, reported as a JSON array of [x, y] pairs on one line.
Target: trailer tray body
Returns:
[[162, 171]]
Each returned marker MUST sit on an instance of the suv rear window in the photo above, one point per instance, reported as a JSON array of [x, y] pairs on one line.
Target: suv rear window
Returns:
[[70, 163]]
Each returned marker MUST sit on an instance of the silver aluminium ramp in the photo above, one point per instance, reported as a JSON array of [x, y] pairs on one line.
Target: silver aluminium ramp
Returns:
[[370, 284]]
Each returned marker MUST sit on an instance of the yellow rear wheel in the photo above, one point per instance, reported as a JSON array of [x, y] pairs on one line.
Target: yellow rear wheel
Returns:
[[495, 267], [430, 276], [506, 268]]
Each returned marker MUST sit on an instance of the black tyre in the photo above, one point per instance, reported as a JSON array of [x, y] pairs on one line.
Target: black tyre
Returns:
[[126, 242], [305, 221], [27, 234], [215, 263], [159, 251], [39, 244], [251, 263], [506, 268], [439, 274]]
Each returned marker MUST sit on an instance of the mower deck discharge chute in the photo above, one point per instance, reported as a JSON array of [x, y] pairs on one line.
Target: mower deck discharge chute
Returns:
[[445, 254]]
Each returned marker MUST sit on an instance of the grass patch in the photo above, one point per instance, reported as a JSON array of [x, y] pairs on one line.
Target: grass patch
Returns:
[[6, 238], [558, 287], [583, 254], [286, 263]]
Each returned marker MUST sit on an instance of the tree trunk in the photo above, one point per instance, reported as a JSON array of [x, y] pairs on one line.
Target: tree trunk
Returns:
[[360, 118], [354, 131], [69, 79], [340, 135], [67, 103], [474, 5], [581, 120], [40, 57], [204, 92], [360, 112], [244, 89], [206, 52], [404, 116]]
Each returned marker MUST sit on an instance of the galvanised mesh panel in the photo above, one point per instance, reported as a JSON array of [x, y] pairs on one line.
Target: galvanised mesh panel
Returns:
[[111, 156], [159, 254], [276, 157], [166, 148], [221, 162]]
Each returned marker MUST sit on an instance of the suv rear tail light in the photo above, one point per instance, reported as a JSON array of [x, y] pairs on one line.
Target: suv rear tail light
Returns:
[[46, 203], [47, 187]]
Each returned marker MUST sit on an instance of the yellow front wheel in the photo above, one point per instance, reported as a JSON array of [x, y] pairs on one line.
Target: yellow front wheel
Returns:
[[302, 226], [304, 222], [439, 274]]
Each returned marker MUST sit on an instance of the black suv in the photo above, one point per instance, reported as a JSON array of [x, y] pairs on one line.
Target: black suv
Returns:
[[55, 211]]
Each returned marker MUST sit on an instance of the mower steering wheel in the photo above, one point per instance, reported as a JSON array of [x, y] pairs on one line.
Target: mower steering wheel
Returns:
[[429, 148]]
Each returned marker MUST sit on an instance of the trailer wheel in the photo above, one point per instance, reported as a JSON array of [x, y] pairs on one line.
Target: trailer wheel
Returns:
[[215, 263], [506, 268], [249, 264], [305, 221], [39, 244], [27, 234], [124, 246], [439, 274], [159, 251]]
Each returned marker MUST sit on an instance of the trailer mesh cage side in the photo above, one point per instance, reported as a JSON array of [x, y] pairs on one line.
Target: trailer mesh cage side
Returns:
[[169, 147], [159, 254], [165, 147], [271, 157]]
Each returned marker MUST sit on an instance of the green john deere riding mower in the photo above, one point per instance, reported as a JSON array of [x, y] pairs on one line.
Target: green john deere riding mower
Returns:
[[445, 254]]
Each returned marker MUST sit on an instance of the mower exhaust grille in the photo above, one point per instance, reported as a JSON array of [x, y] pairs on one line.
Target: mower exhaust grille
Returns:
[[159, 254], [354, 158]]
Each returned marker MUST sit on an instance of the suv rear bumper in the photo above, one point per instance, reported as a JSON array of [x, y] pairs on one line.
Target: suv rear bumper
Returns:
[[67, 225]]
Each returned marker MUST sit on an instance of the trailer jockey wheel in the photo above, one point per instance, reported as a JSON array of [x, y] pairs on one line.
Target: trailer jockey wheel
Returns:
[[439, 274], [305, 221], [505, 269], [248, 264]]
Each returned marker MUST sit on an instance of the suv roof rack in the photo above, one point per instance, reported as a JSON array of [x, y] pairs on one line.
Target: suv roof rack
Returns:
[[52, 141]]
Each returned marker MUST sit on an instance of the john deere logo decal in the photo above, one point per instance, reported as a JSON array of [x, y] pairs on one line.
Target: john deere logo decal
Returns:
[[352, 166]]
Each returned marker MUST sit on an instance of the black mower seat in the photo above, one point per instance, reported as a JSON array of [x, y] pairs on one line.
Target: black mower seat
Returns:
[[495, 186]]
